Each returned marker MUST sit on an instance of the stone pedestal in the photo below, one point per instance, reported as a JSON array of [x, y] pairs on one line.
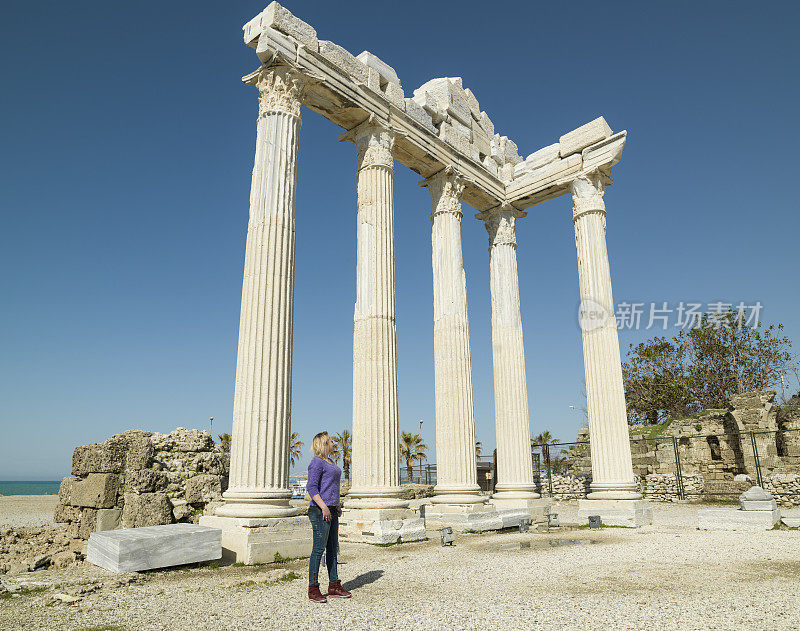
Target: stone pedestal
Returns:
[[538, 509], [628, 513], [473, 517], [381, 526], [252, 540], [737, 519]]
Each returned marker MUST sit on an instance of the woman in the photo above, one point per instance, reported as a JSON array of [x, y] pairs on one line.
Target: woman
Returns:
[[323, 486]]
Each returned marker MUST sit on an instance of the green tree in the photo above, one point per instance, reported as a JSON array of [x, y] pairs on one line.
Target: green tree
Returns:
[[295, 448], [343, 443], [478, 448], [225, 441], [412, 450], [702, 367]]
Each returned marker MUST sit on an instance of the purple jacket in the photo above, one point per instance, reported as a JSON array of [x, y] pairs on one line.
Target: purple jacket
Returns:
[[324, 478]]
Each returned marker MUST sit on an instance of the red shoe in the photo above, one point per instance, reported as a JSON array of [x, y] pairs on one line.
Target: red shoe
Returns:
[[335, 590], [315, 595]]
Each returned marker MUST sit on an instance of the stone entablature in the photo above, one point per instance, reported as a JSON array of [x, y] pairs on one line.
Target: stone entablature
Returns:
[[441, 125]]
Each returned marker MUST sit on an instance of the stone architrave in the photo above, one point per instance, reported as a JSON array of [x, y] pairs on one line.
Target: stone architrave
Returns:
[[515, 486], [376, 422], [456, 468]]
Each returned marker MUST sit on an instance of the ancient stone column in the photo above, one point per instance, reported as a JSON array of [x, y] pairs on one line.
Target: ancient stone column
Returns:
[[456, 464], [376, 423], [612, 471], [512, 424], [259, 471]]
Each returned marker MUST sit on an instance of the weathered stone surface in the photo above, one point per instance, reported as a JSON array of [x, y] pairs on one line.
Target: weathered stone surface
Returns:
[[588, 134], [281, 19], [384, 70], [543, 156], [251, 541], [145, 481], [65, 513], [182, 439], [63, 559], [108, 519], [138, 549], [450, 96], [146, 509], [203, 488], [107, 457], [344, 60], [420, 115], [65, 489], [98, 490]]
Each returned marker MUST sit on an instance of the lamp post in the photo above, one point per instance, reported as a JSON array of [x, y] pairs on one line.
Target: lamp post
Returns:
[[420, 460]]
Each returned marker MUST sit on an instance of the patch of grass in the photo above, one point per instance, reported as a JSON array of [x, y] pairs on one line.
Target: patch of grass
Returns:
[[237, 564], [289, 576], [213, 565], [24, 591]]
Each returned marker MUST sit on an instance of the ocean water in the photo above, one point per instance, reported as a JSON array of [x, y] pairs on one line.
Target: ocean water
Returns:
[[29, 488]]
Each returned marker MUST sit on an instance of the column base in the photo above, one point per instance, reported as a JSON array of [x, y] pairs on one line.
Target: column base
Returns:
[[380, 526], [377, 503], [250, 540], [627, 513], [472, 517], [538, 509], [256, 504]]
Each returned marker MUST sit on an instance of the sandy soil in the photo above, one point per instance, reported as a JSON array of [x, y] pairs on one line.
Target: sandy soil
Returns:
[[666, 576], [27, 510]]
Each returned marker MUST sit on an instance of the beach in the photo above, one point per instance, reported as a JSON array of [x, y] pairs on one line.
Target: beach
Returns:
[[27, 510]]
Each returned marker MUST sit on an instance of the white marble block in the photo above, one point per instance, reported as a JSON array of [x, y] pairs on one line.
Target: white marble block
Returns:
[[627, 513], [588, 134], [737, 519], [137, 549], [258, 540]]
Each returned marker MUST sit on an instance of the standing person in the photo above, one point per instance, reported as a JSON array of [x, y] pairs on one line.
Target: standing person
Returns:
[[324, 478]]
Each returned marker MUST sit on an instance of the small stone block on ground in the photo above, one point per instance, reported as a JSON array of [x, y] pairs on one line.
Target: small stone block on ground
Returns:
[[736, 519], [137, 549], [627, 513], [258, 540]]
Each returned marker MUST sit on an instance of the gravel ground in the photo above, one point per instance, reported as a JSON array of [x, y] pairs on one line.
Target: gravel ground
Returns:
[[667, 576], [27, 510]]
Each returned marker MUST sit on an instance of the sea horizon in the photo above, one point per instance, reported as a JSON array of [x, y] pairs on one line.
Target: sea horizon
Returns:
[[29, 487]]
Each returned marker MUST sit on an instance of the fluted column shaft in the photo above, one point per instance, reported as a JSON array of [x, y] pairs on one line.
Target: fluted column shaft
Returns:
[[376, 422], [259, 470], [456, 465], [612, 470], [512, 424]]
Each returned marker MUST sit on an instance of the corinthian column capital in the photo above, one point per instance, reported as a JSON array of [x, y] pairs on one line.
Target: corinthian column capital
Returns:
[[587, 193], [374, 144], [500, 223], [446, 188], [280, 89]]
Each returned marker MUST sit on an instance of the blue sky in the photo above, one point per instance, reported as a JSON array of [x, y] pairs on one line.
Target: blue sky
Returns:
[[127, 147]]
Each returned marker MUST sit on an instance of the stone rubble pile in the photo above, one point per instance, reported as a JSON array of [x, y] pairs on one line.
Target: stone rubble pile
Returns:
[[663, 487], [25, 550], [140, 478], [785, 488]]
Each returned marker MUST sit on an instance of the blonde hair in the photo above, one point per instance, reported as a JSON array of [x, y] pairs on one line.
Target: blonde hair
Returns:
[[319, 445]]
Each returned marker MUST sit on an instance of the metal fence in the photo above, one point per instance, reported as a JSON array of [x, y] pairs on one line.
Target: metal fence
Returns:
[[697, 467]]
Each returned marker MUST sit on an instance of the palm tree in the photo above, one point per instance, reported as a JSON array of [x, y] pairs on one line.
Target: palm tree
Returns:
[[545, 438], [343, 443], [412, 450], [478, 448], [295, 448]]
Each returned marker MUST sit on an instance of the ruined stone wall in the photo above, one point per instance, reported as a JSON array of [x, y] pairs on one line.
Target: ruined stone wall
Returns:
[[140, 478]]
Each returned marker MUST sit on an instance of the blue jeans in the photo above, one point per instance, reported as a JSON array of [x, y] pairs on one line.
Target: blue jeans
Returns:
[[326, 538]]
